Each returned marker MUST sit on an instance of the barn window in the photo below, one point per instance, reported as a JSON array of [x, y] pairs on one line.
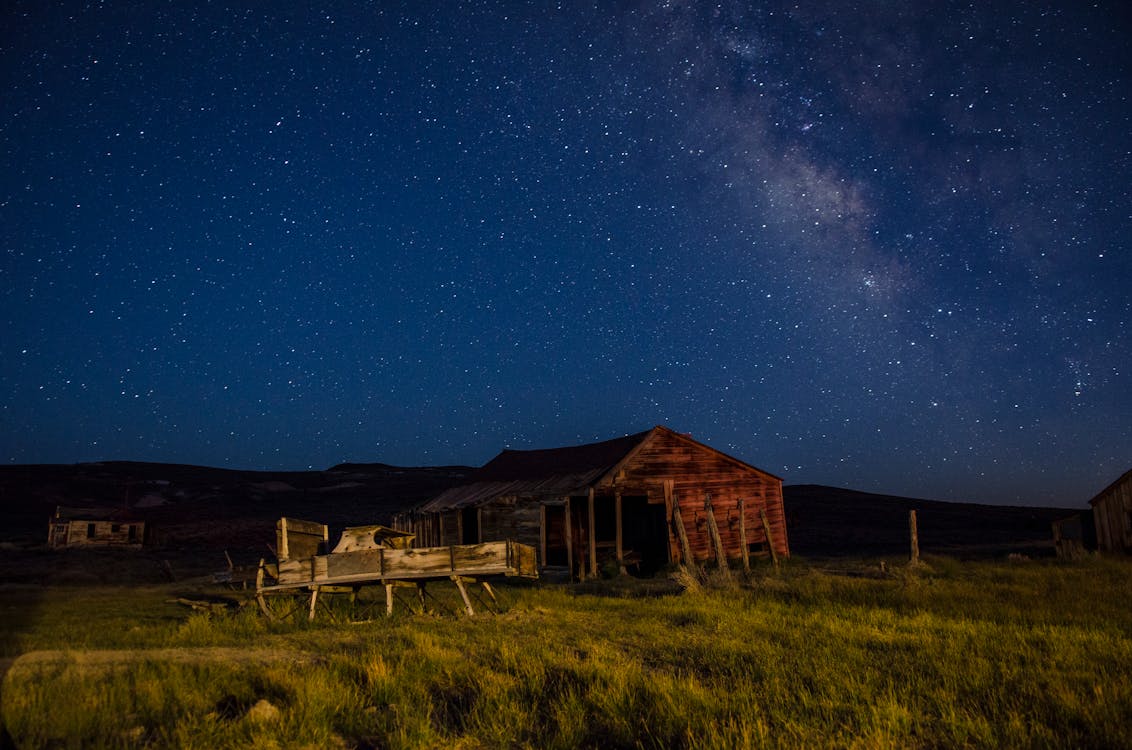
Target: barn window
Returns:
[[90, 531]]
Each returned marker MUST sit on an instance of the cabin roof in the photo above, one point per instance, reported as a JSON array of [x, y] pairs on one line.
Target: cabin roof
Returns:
[[64, 513], [550, 472]]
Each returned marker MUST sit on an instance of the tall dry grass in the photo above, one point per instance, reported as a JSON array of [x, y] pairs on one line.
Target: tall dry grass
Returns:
[[951, 654]]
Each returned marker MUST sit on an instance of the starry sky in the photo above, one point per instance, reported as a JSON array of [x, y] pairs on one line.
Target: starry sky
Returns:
[[881, 245]]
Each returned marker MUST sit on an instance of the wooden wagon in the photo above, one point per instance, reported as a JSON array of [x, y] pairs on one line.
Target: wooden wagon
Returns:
[[376, 555]]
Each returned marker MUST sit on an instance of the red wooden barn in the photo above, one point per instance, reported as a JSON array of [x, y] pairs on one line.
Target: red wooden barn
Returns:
[[613, 504]]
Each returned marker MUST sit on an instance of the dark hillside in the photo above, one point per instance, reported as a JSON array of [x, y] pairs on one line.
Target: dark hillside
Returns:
[[196, 513], [833, 522], [219, 508]]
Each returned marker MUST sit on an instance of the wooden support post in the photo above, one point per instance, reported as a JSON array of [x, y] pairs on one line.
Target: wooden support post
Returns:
[[743, 551], [769, 537], [914, 536], [464, 595], [388, 599], [569, 540], [716, 540], [669, 487], [620, 549], [542, 533], [490, 592], [685, 548], [314, 601], [591, 536]]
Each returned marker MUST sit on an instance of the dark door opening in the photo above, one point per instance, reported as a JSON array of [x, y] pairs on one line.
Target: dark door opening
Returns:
[[644, 535], [556, 554], [469, 526]]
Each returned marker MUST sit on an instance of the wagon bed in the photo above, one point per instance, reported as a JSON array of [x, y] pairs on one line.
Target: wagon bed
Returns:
[[377, 555]]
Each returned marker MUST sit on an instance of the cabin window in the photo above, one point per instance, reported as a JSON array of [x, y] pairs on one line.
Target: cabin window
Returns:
[[90, 531], [132, 533], [115, 528]]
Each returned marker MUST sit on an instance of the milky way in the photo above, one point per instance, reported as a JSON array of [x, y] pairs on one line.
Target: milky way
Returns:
[[884, 248]]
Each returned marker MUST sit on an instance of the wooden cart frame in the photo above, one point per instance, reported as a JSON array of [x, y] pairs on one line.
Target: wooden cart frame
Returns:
[[377, 555]]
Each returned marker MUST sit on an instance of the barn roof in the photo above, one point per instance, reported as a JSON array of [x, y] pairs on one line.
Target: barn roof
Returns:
[[557, 472], [550, 471]]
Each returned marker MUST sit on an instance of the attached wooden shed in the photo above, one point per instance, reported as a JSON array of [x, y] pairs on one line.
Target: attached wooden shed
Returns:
[[1112, 514], [94, 527], [621, 502]]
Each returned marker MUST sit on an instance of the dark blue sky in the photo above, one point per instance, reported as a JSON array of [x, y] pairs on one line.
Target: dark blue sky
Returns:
[[884, 248]]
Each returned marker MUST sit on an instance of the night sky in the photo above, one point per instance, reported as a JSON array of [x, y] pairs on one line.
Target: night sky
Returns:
[[881, 245]]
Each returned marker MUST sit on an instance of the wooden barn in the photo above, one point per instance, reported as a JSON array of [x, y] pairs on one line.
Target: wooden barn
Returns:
[[94, 527], [635, 503], [1112, 514]]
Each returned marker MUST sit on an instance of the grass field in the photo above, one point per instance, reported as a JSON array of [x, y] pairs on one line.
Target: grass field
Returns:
[[1007, 654]]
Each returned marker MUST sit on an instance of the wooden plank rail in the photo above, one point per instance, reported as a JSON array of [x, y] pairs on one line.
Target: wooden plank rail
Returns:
[[384, 565]]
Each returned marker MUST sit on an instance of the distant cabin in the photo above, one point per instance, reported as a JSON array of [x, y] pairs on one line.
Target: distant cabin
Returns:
[[1112, 514], [613, 505], [94, 527]]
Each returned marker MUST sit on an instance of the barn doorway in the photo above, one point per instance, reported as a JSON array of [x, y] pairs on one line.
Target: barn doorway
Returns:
[[470, 526], [556, 553], [644, 535]]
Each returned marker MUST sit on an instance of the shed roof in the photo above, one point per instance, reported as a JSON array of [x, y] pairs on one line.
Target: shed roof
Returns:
[[549, 471]]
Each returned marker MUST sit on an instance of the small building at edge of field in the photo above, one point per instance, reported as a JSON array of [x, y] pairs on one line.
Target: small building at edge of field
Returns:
[[1112, 514], [94, 527], [612, 503]]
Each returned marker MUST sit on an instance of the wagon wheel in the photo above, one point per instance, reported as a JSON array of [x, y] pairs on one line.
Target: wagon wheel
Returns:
[[288, 605], [280, 605]]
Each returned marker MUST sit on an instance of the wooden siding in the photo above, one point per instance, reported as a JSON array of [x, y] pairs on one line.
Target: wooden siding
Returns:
[[1112, 514], [515, 518], [695, 472]]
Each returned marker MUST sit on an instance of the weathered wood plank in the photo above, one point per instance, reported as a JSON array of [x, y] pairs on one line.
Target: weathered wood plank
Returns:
[[744, 551], [717, 542], [591, 535], [297, 538], [685, 547], [769, 537]]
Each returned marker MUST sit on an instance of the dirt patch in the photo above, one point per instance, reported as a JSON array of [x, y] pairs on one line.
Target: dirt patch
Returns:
[[109, 658]]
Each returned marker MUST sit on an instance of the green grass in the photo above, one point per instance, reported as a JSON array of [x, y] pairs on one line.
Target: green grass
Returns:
[[1034, 654]]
